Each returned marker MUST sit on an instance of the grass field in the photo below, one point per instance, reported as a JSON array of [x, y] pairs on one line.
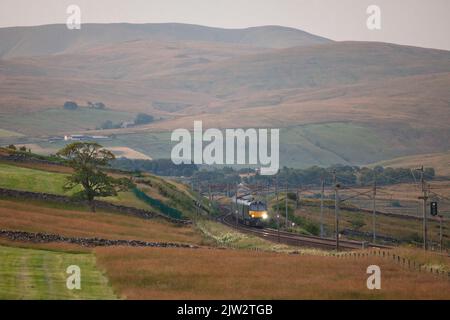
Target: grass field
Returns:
[[37, 217], [439, 161], [38, 270], [402, 229], [51, 179], [20, 178], [409, 230], [241, 274], [38, 178], [220, 235], [41, 274], [54, 121], [7, 133], [301, 146]]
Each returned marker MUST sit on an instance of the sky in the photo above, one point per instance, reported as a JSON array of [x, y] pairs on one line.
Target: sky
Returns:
[[423, 23]]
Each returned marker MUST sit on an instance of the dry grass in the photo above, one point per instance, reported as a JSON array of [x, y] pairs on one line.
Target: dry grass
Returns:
[[237, 274], [128, 153], [387, 226], [40, 166], [35, 218], [435, 260], [439, 161], [52, 246]]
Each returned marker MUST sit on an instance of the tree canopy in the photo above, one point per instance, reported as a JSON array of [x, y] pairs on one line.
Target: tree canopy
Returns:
[[70, 105], [89, 160], [143, 118]]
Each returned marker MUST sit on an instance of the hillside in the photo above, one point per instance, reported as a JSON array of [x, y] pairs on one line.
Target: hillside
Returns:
[[326, 65], [439, 161], [336, 102], [52, 39], [34, 265]]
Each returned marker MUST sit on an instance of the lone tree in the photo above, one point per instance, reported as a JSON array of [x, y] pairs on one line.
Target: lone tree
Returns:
[[89, 159]]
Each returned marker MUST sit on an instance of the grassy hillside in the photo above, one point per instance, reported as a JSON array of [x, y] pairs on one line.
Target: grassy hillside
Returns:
[[327, 65], [51, 39], [7, 134], [41, 274], [19, 178], [321, 144], [40, 216], [336, 102], [161, 195], [47, 179], [37, 271], [237, 274], [61, 121], [439, 161]]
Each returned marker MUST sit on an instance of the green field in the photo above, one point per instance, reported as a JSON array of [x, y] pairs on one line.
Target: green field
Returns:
[[301, 146], [405, 230], [41, 274], [154, 144], [7, 134], [34, 180], [18, 178], [54, 121]]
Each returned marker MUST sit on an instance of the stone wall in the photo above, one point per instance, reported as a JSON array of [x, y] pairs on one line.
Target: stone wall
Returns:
[[141, 213], [86, 242]]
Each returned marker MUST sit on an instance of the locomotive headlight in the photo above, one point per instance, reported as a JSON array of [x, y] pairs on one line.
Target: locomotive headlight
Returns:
[[265, 216]]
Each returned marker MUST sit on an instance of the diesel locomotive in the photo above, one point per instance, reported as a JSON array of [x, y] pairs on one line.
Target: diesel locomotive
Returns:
[[251, 212]]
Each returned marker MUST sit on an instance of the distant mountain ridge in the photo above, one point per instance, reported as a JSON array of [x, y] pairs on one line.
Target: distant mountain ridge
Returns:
[[327, 65], [56, 38], [336, 102]]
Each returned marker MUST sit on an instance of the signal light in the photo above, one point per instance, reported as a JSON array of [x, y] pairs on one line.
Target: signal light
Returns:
[[433, 208]]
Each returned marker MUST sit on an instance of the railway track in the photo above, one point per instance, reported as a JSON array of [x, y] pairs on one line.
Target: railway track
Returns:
[[294, 239]]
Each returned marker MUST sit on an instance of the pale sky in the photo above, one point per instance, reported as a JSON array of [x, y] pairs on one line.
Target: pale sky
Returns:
[[423, 23]]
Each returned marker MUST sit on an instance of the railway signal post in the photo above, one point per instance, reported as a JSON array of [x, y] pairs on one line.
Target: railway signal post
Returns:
[[286, 204], [374, 208], [235, 205], [278, 205], [278, 227], [336, 208], [322, 182], [441, 217], [424, 199]]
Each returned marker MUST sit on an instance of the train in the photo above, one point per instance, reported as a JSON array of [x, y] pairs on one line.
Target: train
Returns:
[[252, 212]]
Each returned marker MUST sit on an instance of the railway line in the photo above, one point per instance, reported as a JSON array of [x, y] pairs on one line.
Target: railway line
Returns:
[[290, 238]]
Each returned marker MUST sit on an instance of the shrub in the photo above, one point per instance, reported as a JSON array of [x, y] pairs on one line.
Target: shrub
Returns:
[[357, 223], [70, 105], [396, 204], [143, 118]]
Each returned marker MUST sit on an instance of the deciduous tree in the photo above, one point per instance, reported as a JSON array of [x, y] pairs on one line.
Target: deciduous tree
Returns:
[[89, 160]]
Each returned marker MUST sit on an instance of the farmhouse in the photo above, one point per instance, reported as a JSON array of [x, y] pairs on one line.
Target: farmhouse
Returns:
[[80, 137]]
